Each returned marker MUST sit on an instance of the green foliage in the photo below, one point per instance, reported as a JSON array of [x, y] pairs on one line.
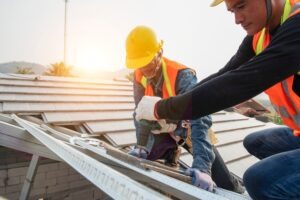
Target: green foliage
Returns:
[[59, 69], [24, 70]]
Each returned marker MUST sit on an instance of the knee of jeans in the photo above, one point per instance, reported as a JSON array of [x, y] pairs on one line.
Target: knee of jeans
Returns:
[[249, 143], [254, 183]]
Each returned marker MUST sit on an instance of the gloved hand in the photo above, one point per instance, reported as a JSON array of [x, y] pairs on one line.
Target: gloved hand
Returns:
[[165, 127], [145, 109], [200, 179], [139, 152]]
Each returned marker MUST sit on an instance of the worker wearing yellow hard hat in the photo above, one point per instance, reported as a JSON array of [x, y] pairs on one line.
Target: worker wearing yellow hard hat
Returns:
[[141, 47], [159, 77], [267, 60]]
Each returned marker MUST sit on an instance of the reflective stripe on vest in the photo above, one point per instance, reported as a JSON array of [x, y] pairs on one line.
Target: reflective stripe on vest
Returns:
[[170, 70], [281, 95]]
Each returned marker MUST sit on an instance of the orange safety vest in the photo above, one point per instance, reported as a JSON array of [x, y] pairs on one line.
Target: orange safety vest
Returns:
[[285, 101], [170, 70]]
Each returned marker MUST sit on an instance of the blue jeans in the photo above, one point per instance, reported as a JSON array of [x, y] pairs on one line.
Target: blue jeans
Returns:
[[277, 175]]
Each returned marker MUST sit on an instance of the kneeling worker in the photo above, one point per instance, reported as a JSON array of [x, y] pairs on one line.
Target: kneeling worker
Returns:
[[156, 75]]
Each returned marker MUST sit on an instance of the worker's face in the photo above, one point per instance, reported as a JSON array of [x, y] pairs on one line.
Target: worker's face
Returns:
[[150, 70], [250, 14]]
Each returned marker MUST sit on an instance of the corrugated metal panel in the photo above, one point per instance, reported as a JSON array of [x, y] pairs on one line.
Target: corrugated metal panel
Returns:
[[233, 136], [65, 91], [110, 126], [62, 79], [67, 117], [111, 117], [120, 139], [233, 152], [46, 107], [234, 125], [227, 117], [43, 84], [63, 98], [240, 167]]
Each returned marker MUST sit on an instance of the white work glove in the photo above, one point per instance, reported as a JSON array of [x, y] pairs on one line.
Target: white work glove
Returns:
[[145, 109], [165, 127], [200, 179]]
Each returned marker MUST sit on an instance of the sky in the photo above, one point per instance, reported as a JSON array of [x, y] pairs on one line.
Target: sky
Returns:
[[194, 34]]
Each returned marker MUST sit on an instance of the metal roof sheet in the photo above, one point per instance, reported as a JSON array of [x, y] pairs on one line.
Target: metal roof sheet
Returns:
[[105, 109]]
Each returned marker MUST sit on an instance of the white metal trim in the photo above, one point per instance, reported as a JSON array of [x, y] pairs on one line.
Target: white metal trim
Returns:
[[108, 180]]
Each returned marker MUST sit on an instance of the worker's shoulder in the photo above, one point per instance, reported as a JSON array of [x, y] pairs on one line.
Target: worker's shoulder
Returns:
[[183, 70], [186, 73]]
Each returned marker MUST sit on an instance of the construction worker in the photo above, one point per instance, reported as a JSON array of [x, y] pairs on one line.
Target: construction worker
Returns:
[[156, 75], [267, 60]]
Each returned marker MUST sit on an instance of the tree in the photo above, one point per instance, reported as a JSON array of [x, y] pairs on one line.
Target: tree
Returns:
[[59, 69], [24, 70]]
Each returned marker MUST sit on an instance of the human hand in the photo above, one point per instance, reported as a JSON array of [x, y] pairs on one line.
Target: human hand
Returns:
[[200, 179], [139, 152], [165, 127], [146, 108]]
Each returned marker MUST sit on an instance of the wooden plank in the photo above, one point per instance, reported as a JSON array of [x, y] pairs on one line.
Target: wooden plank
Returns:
[[234, 136], [17, 132], [235, 125], [63, 98], [28, 147], [24, 83], [233, 152], [28, 182], [48, 107], [229, 116], [239, 167], [67, 117], [6, 118], [62, 79], [64, 91], [120, 139], [110, 126]]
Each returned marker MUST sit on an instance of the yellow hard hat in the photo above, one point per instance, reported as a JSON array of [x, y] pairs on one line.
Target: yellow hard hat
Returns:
[[141, 47], [216, 2]]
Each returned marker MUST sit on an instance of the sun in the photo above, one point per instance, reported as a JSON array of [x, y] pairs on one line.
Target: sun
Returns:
[[90, 59]]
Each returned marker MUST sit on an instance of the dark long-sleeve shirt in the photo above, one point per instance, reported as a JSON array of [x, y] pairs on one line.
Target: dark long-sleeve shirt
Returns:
[[243, 77]]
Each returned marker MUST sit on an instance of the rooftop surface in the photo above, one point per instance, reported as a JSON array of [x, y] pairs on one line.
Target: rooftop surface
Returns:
[[40, 114]]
